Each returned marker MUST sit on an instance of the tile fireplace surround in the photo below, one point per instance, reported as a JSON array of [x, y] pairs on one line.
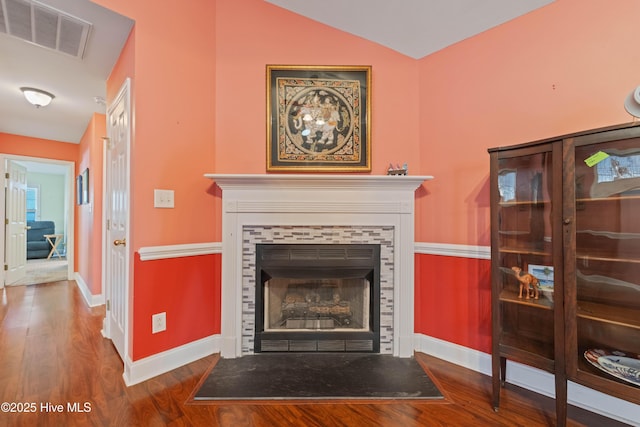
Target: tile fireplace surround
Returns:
[[284, 208]]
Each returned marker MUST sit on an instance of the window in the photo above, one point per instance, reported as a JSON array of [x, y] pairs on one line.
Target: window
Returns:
[[32, 204]]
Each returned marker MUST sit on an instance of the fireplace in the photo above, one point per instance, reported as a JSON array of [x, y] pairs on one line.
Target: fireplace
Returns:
[[317, 297], [317, 209]]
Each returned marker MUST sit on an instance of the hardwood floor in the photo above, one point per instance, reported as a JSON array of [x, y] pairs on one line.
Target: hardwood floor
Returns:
[[52, 352]]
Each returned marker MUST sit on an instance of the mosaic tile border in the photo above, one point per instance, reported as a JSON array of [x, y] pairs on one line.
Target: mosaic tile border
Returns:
[[382, 235]]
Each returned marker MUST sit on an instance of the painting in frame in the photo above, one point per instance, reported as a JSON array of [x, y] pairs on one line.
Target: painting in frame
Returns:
[[79, 190], [85, 186], [318, 118]]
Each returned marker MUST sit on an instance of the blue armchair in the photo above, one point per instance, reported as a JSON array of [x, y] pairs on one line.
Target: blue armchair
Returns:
[[37, 245]]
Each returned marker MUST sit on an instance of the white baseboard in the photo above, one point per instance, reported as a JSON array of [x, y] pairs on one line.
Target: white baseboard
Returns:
[[89, 298], [532, 379], [149, 367]]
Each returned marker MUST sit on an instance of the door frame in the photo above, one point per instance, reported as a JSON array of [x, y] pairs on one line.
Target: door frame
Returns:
[[123, 93], [69, 205]]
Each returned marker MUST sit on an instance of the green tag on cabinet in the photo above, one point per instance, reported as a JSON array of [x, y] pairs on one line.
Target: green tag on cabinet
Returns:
[[593, 160]]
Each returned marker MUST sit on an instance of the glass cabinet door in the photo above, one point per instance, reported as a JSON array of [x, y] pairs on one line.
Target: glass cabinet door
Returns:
[[525, 279], [607, 261]]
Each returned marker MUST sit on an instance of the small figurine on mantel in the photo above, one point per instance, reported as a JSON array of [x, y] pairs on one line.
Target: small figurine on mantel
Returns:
[[397, 170], [528, 282]]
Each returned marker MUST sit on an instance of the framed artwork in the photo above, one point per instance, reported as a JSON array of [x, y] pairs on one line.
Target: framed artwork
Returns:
[[79, 190], [318, 118], [85, 186]]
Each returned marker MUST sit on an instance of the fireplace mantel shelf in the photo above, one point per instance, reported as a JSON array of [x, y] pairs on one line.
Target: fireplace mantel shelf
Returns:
[[305, 181]]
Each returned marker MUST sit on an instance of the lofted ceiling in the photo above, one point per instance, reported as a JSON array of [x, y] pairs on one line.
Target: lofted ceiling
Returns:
[[415, 28]]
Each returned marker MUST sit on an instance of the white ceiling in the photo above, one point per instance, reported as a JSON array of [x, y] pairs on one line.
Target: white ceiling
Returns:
[[74, 81], [415, 28]]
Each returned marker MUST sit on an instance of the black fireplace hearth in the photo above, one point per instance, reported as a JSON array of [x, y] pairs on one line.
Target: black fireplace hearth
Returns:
[[317, 298]]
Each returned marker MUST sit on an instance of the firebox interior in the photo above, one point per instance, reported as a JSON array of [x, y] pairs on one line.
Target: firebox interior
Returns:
[[317, 297]]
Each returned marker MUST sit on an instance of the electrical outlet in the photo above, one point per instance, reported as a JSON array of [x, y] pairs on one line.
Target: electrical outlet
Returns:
[[158, 322]]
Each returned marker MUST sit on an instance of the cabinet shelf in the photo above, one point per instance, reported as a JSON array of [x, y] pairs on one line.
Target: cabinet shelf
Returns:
[[613, 235], [510, 296], [616, 198], [621, 316], [524, 251], [528, 352], [595, 257], [524, 203], [515, 233]]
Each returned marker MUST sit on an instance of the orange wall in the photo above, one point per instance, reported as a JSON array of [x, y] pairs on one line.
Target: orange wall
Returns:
[[88, 229], [174, 122], [124, 68], [172, 67], [254, 33], [36, 147], [563, 68]]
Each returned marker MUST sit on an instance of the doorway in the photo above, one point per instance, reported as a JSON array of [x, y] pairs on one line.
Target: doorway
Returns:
[[50, 186], [117, 256]]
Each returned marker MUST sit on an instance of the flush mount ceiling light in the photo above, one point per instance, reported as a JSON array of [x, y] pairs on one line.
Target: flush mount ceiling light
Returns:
[[37, 97]]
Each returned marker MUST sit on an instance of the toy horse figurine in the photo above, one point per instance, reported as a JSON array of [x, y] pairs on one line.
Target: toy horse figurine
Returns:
[[527, 282]]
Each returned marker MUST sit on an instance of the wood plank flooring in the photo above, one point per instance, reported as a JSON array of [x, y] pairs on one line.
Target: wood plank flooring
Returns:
[[52, 352]]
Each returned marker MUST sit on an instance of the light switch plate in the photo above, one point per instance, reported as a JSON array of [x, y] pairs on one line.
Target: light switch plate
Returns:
[[163, 198]]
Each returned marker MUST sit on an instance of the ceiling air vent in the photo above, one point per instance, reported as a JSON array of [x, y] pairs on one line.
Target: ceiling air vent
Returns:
[[42, 25]]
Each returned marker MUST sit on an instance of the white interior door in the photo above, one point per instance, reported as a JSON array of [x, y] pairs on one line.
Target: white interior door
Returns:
[[16, 223], [117, 224]]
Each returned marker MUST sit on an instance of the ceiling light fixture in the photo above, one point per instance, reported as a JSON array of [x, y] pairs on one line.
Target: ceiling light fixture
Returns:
[[37, 97]]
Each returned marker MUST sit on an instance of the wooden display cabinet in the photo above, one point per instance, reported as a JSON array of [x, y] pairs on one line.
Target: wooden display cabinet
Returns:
[[566, 209], [602, 206], [526, 187]]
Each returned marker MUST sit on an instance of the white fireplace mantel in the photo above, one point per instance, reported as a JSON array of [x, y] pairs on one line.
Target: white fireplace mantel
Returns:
[[297, 181], [290, 200]]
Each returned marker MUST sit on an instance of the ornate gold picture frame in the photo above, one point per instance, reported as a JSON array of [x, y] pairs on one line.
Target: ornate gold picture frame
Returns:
[[318, 118]]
